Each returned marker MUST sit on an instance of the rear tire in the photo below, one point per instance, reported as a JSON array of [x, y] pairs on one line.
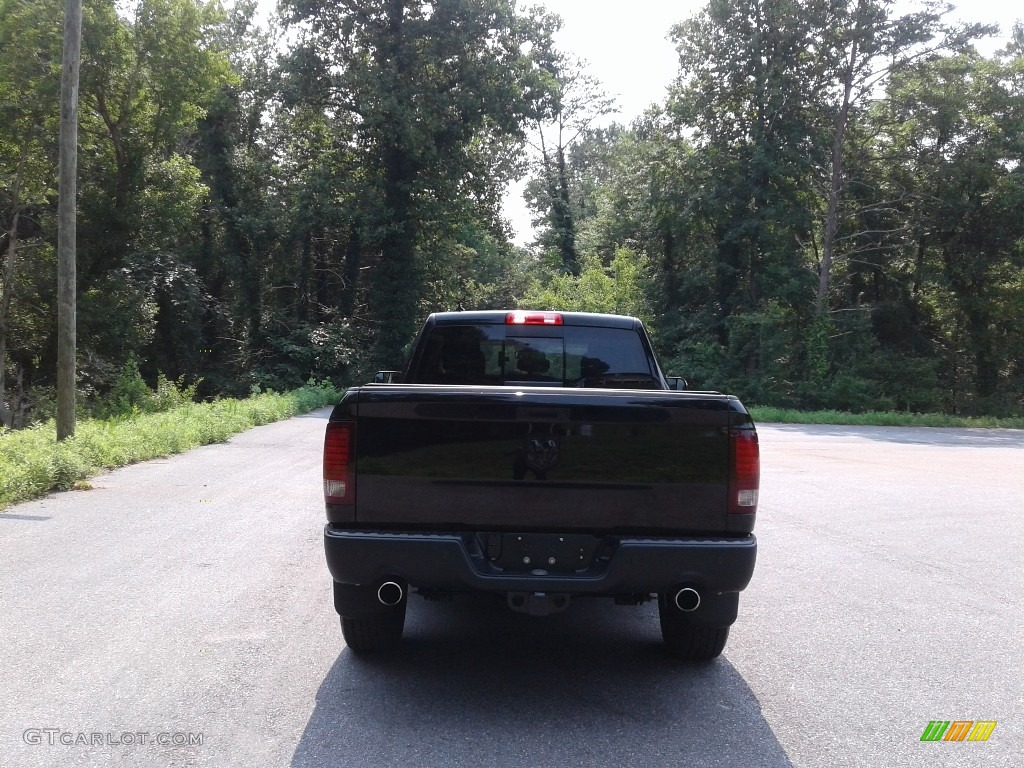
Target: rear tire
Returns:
[[368, 625], [376, 632], [686, 640]]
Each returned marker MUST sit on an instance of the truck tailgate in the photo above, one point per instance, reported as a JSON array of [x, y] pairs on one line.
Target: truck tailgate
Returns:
[[508, 458]]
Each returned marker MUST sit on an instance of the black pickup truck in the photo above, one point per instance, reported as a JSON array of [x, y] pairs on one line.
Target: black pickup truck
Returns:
[[542, 457]]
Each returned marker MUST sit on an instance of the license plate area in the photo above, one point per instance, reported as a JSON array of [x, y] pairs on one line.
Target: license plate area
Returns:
[[541, 552]]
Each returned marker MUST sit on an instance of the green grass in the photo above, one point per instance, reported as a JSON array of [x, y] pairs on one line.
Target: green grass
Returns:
[[33, 463], [880, 419]]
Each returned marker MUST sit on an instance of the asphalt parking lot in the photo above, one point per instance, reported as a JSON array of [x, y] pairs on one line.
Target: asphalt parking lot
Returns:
[[179, 614]]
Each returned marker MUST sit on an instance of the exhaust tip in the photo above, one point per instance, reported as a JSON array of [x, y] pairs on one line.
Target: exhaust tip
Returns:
[[687, 599], [390, 593]]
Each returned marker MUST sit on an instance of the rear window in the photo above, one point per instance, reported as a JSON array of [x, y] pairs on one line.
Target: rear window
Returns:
[[570, 357]]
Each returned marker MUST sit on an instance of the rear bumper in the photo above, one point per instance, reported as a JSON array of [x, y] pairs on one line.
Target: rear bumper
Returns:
[[456, 562]]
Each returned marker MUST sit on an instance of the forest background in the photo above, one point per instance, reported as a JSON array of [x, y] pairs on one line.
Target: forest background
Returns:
[[824, 212]]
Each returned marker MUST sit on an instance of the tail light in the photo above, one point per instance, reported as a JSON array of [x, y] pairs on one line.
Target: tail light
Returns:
[[745, 472], [339, 463]]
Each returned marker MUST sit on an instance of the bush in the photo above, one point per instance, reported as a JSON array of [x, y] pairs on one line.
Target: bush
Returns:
[[617, 288], [170, 394], [130, 394]]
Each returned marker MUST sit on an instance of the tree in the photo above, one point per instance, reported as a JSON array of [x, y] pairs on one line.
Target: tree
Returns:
[[141, 89], [147, 79], [577, 103], [235, 150], [745, 101], [863, 43], [30, 39], [955, 126], [435, 91]]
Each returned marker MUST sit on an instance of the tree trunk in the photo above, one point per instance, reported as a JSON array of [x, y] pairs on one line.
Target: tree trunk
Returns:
[[835, 188], [353, 263], [6, 287], [566, 225], [66, 220], [8, 415], [556, 179], [670, 271], [395, 285], [305, 270]]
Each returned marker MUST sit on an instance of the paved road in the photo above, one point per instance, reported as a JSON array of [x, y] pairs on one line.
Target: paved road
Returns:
[[189, 597]]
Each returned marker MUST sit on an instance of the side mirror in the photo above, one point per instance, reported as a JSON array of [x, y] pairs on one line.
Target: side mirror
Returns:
[[384, 377], [677, 383]]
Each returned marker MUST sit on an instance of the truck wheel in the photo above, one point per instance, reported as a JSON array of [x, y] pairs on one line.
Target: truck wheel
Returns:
[[376, 632], [688, 641]]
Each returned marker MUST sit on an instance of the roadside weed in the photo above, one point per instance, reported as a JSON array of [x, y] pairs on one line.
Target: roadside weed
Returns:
[[33, 463]]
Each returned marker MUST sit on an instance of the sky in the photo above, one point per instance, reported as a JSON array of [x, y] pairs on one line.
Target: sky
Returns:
[[625, 43]]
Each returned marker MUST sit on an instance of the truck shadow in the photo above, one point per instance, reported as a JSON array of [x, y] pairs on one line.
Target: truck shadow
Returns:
[[478, 685]]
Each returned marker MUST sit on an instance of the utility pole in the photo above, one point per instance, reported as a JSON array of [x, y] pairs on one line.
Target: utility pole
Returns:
[[66, 220]]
